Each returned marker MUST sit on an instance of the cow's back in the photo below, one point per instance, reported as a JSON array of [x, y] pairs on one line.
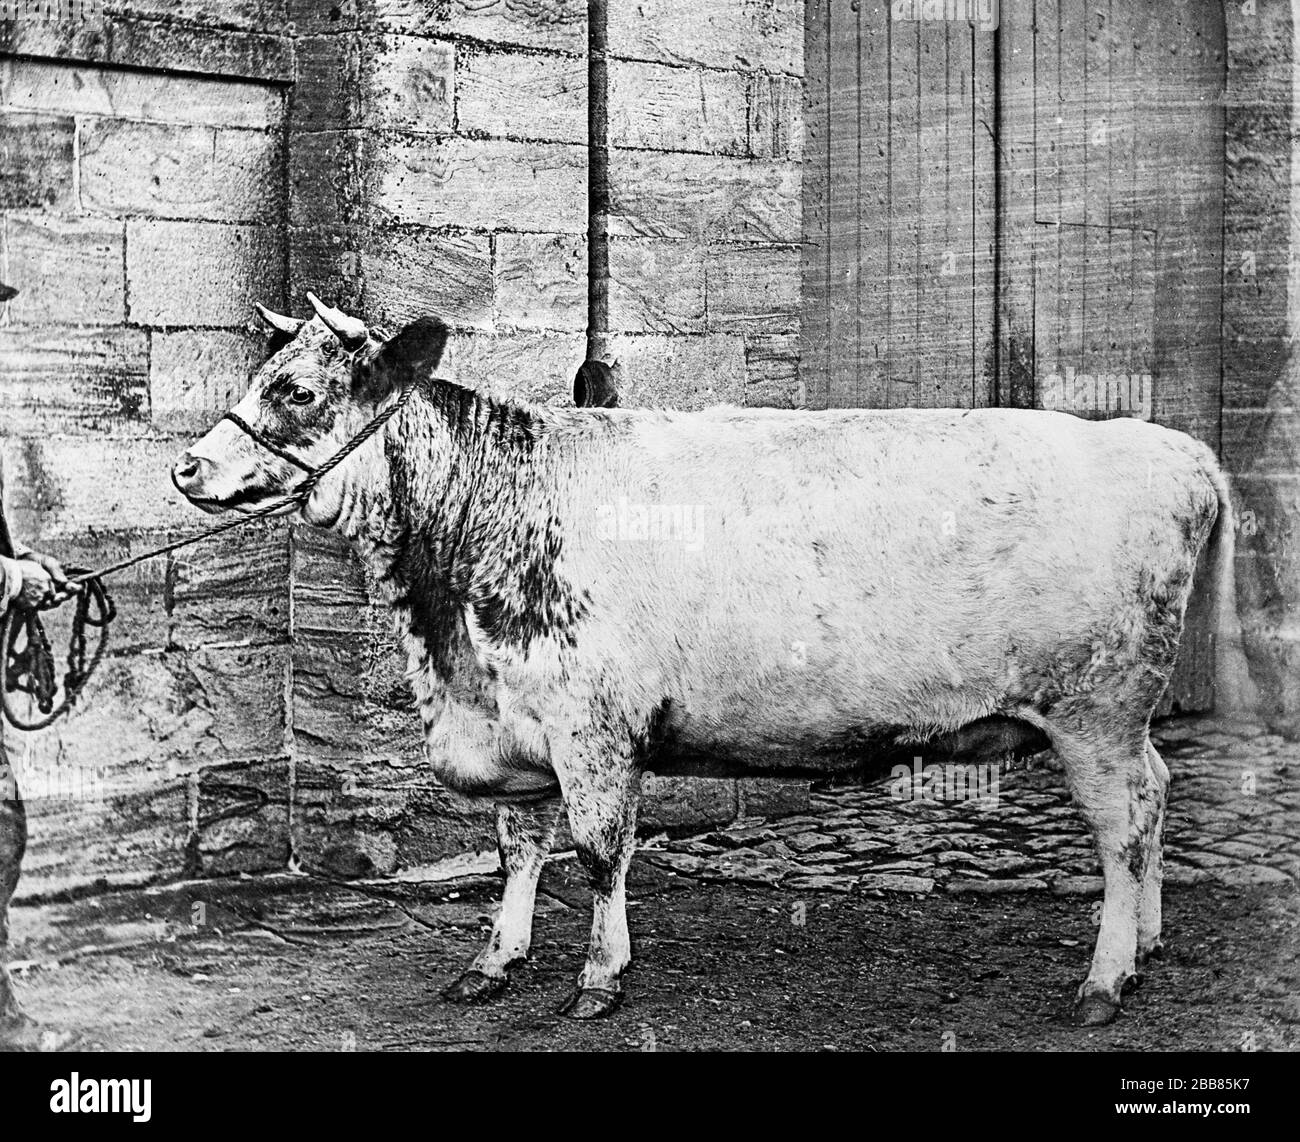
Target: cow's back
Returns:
[[838, 574]]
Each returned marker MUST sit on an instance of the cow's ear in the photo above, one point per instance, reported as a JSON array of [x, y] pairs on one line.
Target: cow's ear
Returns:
[[277, 341], [409, 357], [283, 329]]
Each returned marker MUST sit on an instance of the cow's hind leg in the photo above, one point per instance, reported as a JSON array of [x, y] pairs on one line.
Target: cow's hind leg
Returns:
[[1121, 799], [601, 791], [524, 835], [1149, 946]]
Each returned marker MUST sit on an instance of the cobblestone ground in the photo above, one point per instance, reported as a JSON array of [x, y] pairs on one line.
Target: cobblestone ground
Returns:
[[868, 923], [1234, 817]]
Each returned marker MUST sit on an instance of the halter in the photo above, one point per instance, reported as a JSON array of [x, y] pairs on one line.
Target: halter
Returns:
[[259, 439]]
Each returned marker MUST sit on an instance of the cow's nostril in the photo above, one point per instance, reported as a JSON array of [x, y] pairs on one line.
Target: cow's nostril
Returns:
[[187, 472]]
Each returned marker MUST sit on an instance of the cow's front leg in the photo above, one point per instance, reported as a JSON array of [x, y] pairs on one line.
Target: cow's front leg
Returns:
[[524, 836], [602, 787]]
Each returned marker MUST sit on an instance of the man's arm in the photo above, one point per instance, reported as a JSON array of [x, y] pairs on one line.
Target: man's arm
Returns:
[[23, 573], [11, 582]]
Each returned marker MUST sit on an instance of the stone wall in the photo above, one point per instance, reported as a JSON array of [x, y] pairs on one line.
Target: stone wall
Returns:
[[141, 210], [397, 158], [399, 162], [458, 146], [456, 149]]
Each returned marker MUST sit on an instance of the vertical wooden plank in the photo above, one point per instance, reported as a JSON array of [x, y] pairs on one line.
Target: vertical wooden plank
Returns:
[[934, 242], [1142, 283], [1176, 174], [1209, 127], [984, 233], [1190, 276], [874, 145], [1095, 308], [1128, 348], [1117, 337], [904, 181], [1070, 269], [815, 335], [1053, 130], [843, 273], [1189, 125], [854, 347], [958, 208], [1070, 47], [1018, 126], [1147, 28]]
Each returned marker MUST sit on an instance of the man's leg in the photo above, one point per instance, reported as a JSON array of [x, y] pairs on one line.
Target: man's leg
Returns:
[[18, 1032], [13, 843]]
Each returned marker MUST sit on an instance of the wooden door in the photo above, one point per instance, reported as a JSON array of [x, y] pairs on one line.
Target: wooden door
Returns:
[[899, 210], [1112, 168], [944, 269]]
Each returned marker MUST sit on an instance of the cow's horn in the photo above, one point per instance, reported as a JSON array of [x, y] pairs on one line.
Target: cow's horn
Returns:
[[350, 330], [289, 325]]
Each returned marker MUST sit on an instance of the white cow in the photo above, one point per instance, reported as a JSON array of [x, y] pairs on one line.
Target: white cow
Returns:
[[582, 594]]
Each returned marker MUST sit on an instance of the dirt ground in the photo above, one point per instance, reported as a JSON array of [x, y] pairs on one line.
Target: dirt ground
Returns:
[[291, 962]]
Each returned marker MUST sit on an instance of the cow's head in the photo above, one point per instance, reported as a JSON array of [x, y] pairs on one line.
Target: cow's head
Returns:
[[327, 377]]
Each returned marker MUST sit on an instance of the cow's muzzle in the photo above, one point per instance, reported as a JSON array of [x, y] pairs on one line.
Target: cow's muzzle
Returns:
[[190, 473]]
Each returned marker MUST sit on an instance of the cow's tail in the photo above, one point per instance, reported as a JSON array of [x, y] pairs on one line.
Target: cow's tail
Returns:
[[1222, 568]]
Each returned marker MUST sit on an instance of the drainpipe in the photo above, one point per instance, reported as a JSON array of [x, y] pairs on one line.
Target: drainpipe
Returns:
[[595, 386]]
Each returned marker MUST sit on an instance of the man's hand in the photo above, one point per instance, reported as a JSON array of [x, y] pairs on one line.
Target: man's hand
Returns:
[[38, 584], [33, 580], [54, 569]]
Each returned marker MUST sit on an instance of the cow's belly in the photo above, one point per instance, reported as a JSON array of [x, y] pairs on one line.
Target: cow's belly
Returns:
[[837, 706], [870, 750]]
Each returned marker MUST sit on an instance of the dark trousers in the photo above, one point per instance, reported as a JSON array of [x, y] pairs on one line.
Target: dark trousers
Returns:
[[13, 843]]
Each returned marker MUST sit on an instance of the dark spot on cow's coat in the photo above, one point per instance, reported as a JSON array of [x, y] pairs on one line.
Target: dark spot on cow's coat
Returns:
[[498, 556]]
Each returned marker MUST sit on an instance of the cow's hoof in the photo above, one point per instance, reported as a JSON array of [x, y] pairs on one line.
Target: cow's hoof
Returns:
[[1095, 1011], [590, 1003], [1155, 952], [22, 1034], [474, 987], [1132, 983]]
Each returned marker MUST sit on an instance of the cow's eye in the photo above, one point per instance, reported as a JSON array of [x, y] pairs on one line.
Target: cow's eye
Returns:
[[300, 395]]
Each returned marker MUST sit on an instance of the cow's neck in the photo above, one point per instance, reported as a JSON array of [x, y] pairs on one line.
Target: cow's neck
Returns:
[[461, 526]]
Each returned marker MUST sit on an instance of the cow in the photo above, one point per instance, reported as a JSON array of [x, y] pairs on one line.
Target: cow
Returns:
[[850, 583]]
